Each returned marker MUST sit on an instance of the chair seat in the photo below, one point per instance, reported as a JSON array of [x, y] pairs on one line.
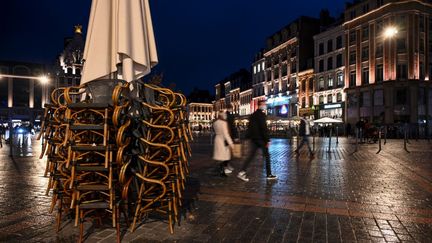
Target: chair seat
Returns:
[[93, 187], [92, 168], [88, 148], [94, 205], [89, 105], [87, 127]]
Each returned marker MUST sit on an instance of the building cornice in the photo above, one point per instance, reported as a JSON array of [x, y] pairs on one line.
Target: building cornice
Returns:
[[361, 18], [281, 46]]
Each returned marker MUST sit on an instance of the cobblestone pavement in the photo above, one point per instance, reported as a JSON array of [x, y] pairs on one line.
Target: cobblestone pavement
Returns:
[[337, 196]]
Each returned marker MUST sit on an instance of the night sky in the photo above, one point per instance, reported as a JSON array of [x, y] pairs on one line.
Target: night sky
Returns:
[[199, 42]]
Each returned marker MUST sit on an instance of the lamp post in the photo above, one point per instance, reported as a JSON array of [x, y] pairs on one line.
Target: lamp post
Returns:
[[43, 79]]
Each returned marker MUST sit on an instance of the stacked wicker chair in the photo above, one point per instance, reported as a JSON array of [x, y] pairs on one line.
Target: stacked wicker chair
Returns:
[[130, 154]]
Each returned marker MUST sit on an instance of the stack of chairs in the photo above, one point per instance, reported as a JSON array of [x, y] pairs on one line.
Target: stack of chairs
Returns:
[[162, 142], [129, 155], [53, 133]]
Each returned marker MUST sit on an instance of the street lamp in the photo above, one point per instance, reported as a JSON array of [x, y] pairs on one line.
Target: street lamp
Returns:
[[390, 32], [43, 79]]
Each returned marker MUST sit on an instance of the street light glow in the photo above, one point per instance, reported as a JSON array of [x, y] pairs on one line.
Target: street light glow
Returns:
[[43, 79], [390, 32]]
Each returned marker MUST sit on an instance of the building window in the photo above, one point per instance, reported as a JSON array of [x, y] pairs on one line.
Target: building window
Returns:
[[340, 79], [338, 42], [330, 81], [365, 76], [339, 62], [259, 68], [293, 67], [352, 14], [379, 73], [365, 53], [378, 97], [321, 99], [321, 83], [365, 99], [352, 59], [421, 23], [321, 49], [255, 69], [311, 81], [401, 45], [339, 97], [330, 63], [352, 80], [329, 46], [365, 33], [379, 3], [401, 71], [421, 45], [303, 84], [352, 37], [310, 101], [379, 50], [366, 8], [401, 97], [421, 70], [303, 105], [321, 66], [329, 98]]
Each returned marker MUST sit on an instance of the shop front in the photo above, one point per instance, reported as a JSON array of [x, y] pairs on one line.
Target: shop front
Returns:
[[278, 106], [332, 110]]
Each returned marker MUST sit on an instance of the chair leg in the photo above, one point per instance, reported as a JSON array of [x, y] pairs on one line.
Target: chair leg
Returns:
[[117, 216], [59, 214], [170, 217], [81, 219]]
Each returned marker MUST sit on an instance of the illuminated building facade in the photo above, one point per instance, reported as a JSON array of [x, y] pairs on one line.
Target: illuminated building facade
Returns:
[[287, 54], [329, 95], [200, 114], [70, 62], [388, 65], [23, 91]]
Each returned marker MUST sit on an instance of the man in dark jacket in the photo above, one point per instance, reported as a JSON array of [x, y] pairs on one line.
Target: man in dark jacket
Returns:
[[259, 137], [231, 126]]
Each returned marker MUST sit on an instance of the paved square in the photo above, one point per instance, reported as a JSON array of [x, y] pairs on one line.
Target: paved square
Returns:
[[337, 196]]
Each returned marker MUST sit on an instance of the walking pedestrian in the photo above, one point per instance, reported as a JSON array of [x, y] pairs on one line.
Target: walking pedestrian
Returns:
[[259, 139], [222, 144], [231, 126], [304, 132]]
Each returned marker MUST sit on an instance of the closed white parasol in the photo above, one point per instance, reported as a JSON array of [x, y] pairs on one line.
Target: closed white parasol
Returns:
[[120, 34]]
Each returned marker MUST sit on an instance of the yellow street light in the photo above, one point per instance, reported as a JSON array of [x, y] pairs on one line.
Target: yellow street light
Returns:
[[390, 32], [43, 79]]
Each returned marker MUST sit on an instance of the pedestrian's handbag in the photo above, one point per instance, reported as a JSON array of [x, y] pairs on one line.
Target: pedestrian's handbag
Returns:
[[237, 150]]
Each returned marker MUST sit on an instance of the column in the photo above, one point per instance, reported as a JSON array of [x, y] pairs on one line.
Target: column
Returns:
[[10, 92], [31, 93]]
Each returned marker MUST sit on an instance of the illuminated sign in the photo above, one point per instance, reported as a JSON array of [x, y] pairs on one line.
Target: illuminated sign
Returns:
[[332, 106], [284, 110]]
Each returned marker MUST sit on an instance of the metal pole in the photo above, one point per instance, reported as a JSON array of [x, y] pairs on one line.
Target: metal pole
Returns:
[[313, 142], [379, 141], [356, 139], [330, 135], [337, 137], [10, 138], [385, 135], [405, 140]]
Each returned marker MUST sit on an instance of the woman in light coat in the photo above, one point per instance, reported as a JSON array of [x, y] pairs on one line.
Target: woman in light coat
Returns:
[[222, 144]]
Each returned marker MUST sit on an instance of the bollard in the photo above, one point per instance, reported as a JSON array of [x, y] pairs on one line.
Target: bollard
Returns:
[[356, 139], [379, 141], [10, 139], [313, 142], [337, 137], [405, 141], [330, 135], [385, 135]]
